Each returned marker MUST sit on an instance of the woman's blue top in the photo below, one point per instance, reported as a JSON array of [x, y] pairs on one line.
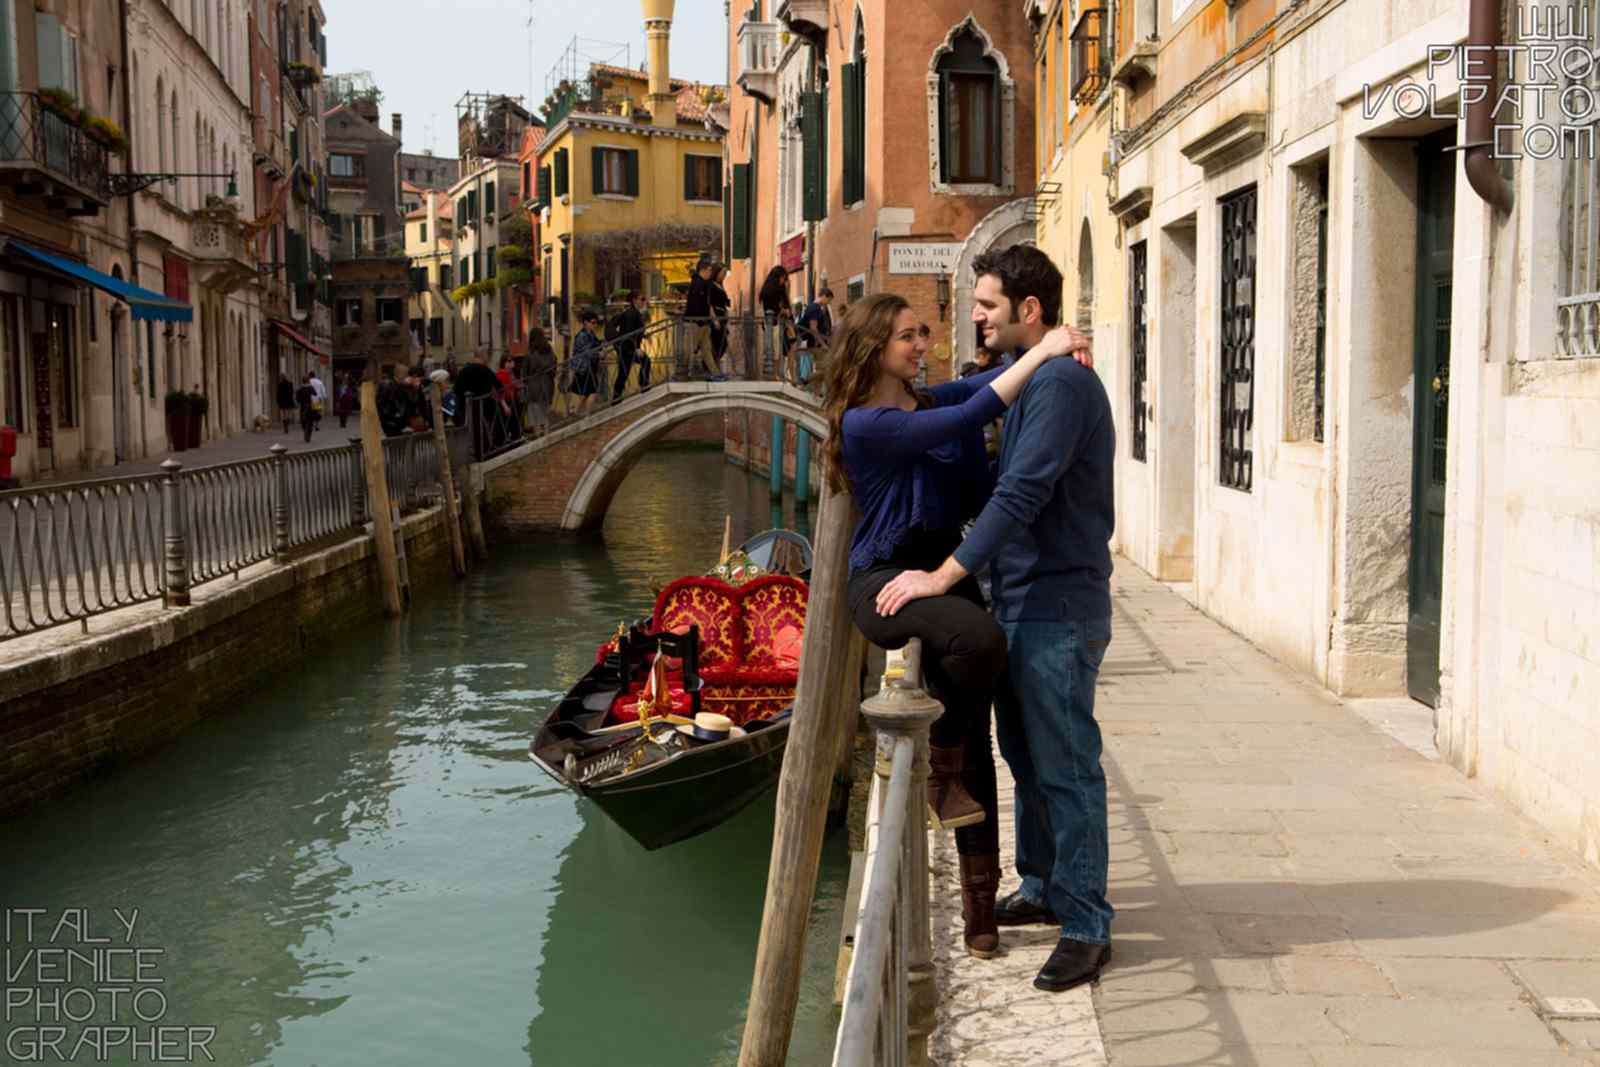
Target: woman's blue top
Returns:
[[924, 468]]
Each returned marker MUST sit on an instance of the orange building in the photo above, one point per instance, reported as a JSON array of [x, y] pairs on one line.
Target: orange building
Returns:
[[880, 152]]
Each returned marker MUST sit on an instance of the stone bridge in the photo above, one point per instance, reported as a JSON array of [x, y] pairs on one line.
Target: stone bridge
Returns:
[[566, 479]]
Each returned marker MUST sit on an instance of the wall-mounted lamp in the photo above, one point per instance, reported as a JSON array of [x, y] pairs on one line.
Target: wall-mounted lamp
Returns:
[[941, 293]]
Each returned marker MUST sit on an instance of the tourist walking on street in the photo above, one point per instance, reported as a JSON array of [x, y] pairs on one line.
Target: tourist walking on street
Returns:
[[585, 361], [1045, 537], [320, 402], [815, 329], [774, 297], [541, 380], [344, 398], [913, 461], [306, 397], [285, 401]]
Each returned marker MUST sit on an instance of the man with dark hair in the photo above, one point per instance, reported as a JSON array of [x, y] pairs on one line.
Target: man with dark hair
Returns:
[[697, 317], [1045, 536]]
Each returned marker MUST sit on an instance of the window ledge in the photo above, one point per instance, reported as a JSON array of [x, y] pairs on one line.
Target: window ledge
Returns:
[[712, 203], [971, 189], [614, 196]]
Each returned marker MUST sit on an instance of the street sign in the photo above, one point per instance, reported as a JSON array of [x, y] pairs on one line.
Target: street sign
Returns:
[[936, 258]]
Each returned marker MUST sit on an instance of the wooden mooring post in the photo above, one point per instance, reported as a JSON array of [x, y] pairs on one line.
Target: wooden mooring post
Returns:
[[378, 501], [447, 480], [826, 701]]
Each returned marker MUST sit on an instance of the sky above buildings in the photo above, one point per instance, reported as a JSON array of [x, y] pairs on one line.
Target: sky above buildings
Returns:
[[424, 56]]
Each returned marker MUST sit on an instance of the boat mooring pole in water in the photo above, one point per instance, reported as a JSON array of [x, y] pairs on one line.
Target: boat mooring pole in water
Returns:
[[452, 507], [823, 708], [775, 456], [378, 501], [802, 446]]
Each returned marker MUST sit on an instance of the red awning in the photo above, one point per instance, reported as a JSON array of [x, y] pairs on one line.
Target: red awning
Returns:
[[297, 339]]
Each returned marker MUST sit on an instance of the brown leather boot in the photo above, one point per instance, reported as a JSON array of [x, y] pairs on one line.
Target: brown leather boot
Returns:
[[949, 804], [980, 881]]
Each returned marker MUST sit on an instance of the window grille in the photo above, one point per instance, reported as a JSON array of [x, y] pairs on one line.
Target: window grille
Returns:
[[1578, 262], [1236, 382], [1320, 385], [1139, 292]]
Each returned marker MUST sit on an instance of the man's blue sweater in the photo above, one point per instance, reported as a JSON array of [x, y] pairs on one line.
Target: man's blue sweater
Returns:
[[1046, 531]]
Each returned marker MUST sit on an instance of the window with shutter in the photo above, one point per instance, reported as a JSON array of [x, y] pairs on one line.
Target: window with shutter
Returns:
[[854, 119], [491, 258], [969, 102], [544, 184], [702, 178], [812, 206], [491, 206], [472, 205], [740, 241], [561, 172], [630, 172]]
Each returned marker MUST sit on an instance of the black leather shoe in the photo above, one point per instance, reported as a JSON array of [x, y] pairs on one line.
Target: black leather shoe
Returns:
[[1071, 963], [1014, 909]]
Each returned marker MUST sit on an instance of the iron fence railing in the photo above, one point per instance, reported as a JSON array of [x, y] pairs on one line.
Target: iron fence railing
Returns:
[[70, 552], [888, 995], [674, 349], [30, 132]]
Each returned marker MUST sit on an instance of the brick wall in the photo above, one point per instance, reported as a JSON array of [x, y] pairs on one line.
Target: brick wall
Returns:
[[74, 714]]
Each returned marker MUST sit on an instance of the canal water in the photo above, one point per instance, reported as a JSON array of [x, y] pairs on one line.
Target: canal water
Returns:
[[356, 863]]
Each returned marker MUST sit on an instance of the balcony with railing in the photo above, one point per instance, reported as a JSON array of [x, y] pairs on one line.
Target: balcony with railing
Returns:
[[809, 18], [46, 157], [1091, 67], [760, 45]]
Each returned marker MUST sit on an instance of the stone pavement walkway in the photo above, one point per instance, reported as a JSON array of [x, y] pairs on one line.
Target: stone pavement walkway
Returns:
[[1295, 886]]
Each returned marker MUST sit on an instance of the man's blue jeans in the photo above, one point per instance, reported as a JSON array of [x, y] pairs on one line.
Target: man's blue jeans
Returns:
[[1044, 718]]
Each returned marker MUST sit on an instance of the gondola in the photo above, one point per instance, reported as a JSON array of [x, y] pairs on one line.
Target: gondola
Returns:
[[682, 721]]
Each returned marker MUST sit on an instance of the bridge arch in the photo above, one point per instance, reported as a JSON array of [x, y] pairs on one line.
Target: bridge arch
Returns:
[[598, 484]]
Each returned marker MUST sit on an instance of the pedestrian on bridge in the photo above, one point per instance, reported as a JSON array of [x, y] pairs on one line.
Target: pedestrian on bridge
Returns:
[[585, 360], [774, 297], [913, 460], [541, 380], [626, 328]]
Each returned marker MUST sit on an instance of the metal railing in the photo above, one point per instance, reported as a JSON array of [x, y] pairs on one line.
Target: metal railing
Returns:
[[32, 133], [70, 552], [674, 349], [889, 994]]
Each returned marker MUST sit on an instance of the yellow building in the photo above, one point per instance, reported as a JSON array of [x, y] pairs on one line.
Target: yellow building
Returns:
[[435, 321], [630, 184]]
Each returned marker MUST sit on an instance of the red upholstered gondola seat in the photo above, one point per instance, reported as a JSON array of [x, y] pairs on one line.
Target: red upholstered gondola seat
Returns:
[[749, 650]]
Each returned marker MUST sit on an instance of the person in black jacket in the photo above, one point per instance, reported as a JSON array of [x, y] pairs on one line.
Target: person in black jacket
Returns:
[[774, 299], [629, 324], [720, 303], [697, 317], [285, 401]]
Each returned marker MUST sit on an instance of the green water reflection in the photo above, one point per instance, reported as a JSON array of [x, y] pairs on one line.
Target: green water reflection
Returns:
[[357, 863]]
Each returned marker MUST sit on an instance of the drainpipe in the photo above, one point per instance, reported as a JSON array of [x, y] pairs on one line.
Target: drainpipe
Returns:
[[133, 236], [1483, 31]]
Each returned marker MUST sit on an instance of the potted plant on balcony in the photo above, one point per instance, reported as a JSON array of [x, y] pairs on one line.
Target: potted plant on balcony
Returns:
[[198, 406], [178, 419], [62, 103], [302, 74], [106, 133], [388, 331]]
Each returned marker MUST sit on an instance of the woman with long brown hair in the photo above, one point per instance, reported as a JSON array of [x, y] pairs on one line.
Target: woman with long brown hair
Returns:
[[914, 461]]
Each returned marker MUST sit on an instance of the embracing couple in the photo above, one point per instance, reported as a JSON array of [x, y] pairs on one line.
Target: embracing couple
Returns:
[[915, 463]]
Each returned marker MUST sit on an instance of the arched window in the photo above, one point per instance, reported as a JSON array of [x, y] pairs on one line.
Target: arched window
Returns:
[[853, 97], [969, 108], [174, 188], [1085, 277], [199, 160]]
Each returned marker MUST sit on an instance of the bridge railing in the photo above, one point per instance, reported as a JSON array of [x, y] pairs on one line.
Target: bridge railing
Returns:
[[674, 349], [889, 994], [73, 551]]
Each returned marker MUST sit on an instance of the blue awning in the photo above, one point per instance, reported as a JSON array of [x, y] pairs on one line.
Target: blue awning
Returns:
[[144, 303]]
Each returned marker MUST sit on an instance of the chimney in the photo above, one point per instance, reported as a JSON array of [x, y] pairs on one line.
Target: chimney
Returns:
[[658, 33], [395, 121]]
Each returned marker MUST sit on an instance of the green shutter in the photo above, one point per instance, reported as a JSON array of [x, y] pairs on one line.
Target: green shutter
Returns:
[[823, 178], [630, 171], [561, 172], [716, 176], [597, 166], [852, 141], [740, 243], [544, 185], [491, 206], [689, 189], [812, 206]]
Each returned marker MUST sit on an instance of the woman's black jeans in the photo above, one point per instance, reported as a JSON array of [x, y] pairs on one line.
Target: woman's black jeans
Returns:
[[963, 656]]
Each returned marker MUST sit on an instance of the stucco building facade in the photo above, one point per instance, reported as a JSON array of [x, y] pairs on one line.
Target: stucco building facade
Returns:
[[1350, 363], [880, 151]]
